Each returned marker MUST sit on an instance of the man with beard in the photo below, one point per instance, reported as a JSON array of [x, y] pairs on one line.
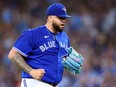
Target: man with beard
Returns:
[[39, 51]]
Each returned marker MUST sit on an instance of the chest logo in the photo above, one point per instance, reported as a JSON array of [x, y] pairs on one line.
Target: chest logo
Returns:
[[47, 45], [46, 36]]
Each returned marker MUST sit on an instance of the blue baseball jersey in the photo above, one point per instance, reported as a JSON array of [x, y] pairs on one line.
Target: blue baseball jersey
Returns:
[[43, 49]]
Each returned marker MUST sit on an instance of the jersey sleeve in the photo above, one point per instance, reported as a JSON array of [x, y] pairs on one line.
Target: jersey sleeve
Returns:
[[68, 43], [23, 44]]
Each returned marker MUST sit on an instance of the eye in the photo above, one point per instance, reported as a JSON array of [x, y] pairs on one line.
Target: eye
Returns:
[[61, 18]]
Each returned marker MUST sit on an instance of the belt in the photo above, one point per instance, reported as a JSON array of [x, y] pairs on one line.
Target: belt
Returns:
[[53, 84], [50, 83]]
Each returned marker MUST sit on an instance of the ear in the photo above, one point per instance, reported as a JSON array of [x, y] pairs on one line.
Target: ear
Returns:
[[50, 18]]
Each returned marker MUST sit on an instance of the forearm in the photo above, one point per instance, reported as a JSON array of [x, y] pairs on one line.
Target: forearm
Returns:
[[18, 60]]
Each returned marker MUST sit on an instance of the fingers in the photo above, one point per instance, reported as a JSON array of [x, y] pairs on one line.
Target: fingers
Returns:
[[37, 73], [42, 70], [39, 78]]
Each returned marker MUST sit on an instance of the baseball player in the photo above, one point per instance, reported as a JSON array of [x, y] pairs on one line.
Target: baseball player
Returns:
[[39, 51]]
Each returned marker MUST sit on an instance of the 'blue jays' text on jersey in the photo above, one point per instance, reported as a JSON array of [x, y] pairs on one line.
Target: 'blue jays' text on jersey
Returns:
[[43, 49]]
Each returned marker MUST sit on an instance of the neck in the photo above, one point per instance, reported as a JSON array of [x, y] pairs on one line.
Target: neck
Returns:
[[50, 28]]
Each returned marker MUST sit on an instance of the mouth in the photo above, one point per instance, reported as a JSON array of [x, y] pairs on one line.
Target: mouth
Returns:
[[62, 25]]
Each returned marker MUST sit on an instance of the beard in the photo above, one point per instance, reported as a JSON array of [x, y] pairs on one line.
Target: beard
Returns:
[[56, 27]]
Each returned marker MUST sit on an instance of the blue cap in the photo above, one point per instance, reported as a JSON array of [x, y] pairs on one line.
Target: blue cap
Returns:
[[57, 9]]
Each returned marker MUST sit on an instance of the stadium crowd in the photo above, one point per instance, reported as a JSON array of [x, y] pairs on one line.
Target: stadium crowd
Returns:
[[91, 29]]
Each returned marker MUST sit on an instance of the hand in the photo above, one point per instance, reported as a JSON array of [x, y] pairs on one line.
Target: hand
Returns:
[[37, 73]]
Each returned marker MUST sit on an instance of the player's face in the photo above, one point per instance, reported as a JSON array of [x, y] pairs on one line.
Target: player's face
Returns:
[[58, 23]]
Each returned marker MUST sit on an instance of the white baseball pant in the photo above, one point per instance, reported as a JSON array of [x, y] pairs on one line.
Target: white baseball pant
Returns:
[[34, 83]]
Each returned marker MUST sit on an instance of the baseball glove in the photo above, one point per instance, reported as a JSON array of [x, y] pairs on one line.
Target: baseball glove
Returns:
[[73, 61]]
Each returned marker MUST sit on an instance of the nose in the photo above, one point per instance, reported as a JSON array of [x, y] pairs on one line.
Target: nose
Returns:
[[63, 20]]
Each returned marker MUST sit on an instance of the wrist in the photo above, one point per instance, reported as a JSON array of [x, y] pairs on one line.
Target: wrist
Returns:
[[30, 71]]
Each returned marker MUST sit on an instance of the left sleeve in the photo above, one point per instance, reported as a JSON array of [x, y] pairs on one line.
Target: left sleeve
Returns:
[[66, 40], [23, 44], [68, 43]]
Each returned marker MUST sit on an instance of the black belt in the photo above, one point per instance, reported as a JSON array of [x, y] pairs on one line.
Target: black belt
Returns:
[[50, 83], [53, 84]]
